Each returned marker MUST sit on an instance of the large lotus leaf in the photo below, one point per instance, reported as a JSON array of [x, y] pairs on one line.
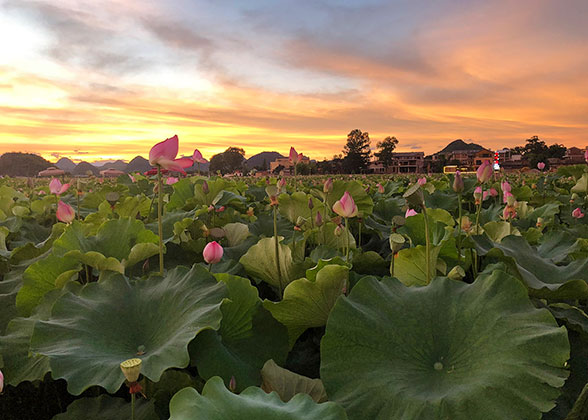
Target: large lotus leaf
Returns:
[[497, 230], [448, 350], [414, 227], [287, 384], [294, 206], [557, 245], [118, 244], [542, 276], [327, 236], [236, 233], [90, 334], [248, 336], [30, 250], [264, 226], [370, 262], [260, 262], [171, 382], [106, 407], [308, 303], [385, 209], [218, 403], [410, 265], [364, 202], [41, 277], [581, 186]]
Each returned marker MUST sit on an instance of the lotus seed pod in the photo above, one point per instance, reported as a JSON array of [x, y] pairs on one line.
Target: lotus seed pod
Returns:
[[131, 368], [396, 242]]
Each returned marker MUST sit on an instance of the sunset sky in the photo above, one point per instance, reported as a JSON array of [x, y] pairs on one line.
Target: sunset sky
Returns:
[[106, 79]]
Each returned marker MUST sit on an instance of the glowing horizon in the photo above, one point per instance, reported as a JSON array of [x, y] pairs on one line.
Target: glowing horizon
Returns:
[[106, 82]]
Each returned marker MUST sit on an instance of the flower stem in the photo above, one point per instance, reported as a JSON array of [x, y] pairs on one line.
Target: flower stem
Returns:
[[427, 246], [346, 240], [132, 406], [159, 216], [459, 229], [277, 252]]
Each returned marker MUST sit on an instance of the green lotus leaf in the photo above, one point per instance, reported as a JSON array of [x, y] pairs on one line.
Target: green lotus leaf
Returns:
[[543, 277], [260, 262], [410, 267], [448, 350], [118, 244], [370, 262], [41, 277], [218, 403], [288, 384], [90, 334], [558, 245], [294, 206], [247, 338], [496, 230], [327, 237], [106, 407], [31, 250], [236, 233], [161, 392], [308, 303], [581, 185]]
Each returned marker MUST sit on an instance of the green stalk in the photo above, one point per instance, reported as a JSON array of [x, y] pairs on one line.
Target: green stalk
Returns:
[[359, 239], [459, 229], [277, 252], [132, 406], [346, 240], [475, 254], [78, 199], [427, 245], [159, 216]]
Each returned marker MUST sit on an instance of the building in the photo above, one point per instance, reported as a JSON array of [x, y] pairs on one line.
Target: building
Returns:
[[402, 163], [111, 173], [52, 171], [288, 167], [574, 156]]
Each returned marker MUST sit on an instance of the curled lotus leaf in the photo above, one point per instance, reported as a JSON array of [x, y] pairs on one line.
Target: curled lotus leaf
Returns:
[[448, 350], [88, 335], [218, 403]]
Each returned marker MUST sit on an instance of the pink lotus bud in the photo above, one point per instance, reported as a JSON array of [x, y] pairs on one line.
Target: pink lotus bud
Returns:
[[171, 180], [422, 181], [65, 213], [318, 219], [197, 157], [410, 212], [42, 192], [205, 188], [509, 212], [281, 183], [1, 382], [540, 166], [505, 186], [328, 186], [132, 178], [345, 207], [478, 193], [233, 384], [338, 230], [485, 195], [310, 203], [212, 253], [493, 192], [577, 213], [164, 155], [458, 182], [220, 209], [484, 172], [293, 157], [380, 189], [56, 187]]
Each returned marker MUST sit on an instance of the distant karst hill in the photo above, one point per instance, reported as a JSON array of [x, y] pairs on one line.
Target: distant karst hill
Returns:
[[261, 159], [459, 144], [82, 168], [22, 164], [65, 164], [138, 164]]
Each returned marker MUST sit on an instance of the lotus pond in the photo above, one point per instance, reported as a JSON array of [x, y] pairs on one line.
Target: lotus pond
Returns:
[[347, 298]]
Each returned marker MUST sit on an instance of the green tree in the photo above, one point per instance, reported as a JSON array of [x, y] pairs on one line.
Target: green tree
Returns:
[[386, 152], [230, 160], [357, 151]]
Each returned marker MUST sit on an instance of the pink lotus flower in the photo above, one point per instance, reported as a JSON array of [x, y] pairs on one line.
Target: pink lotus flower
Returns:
[[295, 157], [493, 192], [197, 157], [509, 212], [42, 192], [281, 183], [410, 212], [345, 207], [509, 199], [164, 154], [485, 195], [478, 195], [422, 181], [540, 166], [1, 382], [56, 187], [484, 172], [380, 189], [132, 178], [65, 213], [213, 252], [577, 213], [171, 180]]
